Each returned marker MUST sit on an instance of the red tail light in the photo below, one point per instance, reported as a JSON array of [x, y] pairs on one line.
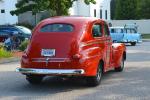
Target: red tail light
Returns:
[[77, 56]]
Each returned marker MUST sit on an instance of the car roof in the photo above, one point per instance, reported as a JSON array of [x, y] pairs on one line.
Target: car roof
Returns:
[[1, 26], [119, 27], [69, 19]]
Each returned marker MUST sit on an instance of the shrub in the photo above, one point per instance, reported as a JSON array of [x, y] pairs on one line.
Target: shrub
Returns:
[[23, 45], [4, 53]]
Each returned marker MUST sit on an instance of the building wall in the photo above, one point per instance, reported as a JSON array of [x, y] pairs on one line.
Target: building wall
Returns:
[[29, 18], [105, 6], [2, 15], [6, 17], [77, 9], [81, 9], [95, 7], [143, 25]]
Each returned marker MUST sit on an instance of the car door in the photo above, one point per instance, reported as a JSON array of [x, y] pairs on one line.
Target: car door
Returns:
[[108, 45], [98, 39]]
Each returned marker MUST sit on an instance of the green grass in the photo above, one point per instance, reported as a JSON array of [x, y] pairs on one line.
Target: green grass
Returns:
[[4, 53], [146, 36], [23, 45]]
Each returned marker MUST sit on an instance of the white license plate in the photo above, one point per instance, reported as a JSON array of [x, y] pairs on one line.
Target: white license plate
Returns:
[[48, 52]]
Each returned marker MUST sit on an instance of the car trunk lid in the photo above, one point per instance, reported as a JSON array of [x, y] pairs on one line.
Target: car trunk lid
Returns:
[[60, 43]]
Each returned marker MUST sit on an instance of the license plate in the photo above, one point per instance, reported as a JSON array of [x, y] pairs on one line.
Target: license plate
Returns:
[[48, 52]]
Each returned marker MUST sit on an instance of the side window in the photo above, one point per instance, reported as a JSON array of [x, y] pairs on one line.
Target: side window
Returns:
[[112, 30], [13, 29], [97, 30], [106, 30]]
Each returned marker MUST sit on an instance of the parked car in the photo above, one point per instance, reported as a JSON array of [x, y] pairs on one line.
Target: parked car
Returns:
[[126, 34], [4, 34], [6, 30], [71, 46]]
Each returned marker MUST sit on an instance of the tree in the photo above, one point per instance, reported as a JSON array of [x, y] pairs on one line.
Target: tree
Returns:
[[126, 9], [143, 9], [112, 5], [56, 7]]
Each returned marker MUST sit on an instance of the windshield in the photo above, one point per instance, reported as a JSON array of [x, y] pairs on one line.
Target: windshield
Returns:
[[57, 28], [24, 29]]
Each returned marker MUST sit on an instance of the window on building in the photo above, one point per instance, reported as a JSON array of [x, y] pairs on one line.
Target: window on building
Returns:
[[105, 14], [2, 11], [101, 13], [94, 12]]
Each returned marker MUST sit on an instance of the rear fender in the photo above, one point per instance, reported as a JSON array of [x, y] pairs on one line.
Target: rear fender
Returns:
[[119, 51], [90, 59]]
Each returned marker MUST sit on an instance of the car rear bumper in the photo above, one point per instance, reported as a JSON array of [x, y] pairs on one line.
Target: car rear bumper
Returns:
[[51, 71]]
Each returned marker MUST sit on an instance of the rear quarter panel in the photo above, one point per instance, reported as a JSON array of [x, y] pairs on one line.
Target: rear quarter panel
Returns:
[[119, 49], [91, 55]]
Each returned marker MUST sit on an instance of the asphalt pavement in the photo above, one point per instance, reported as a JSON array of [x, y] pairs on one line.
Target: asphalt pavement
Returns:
[[131, 84]]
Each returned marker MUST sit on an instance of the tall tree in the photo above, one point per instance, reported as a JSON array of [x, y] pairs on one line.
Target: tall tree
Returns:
[[143, 9], [126, 9], [57, 7], [112, 5]]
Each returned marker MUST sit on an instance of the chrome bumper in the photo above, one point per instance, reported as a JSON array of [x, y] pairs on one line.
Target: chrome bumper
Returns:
[[50, 71]]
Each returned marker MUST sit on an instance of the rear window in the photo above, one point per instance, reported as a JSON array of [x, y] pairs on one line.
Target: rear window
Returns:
[[57, 28]]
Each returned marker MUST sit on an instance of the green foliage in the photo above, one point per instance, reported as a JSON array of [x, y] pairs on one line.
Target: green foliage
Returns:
[[146, 36], [57, 7], [125, 9], [113, 4], [130, 9], [4, 53], [143, 9], [23, 45]]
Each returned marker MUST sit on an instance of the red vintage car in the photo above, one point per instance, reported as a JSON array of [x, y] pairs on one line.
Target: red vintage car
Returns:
[[71, 46]]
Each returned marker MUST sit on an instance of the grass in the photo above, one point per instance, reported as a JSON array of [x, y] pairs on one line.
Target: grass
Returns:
[[4, 53], [146, 36]]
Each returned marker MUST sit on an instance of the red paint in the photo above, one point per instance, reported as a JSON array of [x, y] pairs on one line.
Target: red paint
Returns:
[[74, 50]]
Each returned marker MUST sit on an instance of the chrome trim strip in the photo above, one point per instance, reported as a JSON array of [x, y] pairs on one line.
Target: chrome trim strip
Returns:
[[51, 71], [49, 59], [91, 57], [91, 43]]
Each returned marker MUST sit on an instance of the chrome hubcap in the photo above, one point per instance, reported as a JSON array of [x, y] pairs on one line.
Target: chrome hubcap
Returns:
[[122, 63], [99, 74]]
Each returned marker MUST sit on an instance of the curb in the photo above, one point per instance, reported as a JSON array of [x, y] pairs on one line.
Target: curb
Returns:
[[9, 60]]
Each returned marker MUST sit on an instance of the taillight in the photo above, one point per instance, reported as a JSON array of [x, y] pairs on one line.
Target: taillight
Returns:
[[77, 56], [25, 56]]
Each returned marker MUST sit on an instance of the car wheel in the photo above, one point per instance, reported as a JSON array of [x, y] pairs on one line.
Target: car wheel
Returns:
[[34, 79], [121, 67], [94, 81], [133, 43]]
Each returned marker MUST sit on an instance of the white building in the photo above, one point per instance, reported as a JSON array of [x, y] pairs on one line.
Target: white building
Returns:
[[5, 7], [100, 10]]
